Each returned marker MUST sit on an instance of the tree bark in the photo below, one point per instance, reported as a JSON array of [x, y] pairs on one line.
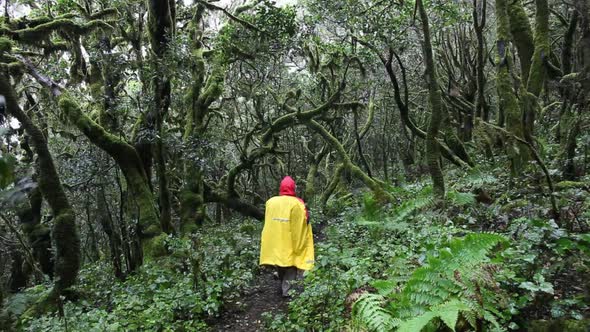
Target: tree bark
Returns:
[[538, 69], [38, 235], [479, 23], [508, 102], [106, 221], [522, 34], [437, 116], [378, 191], [65, 232], [161, 26]]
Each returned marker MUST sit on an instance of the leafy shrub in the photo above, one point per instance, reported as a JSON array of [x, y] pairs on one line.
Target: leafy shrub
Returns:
[[164, 294]]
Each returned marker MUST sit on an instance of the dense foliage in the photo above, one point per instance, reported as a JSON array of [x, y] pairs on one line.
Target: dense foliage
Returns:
[[441, 146], [445, 267]]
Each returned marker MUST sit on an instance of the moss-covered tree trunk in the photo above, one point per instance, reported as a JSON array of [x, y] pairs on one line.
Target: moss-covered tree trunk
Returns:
[[570, 124], [202, 93], [567, 90], [348, 164], [161, 26], [479, 24], [106, 221], [522, 34], [124, 155], [508, 102], [538, 69], [38, 235], [310, 180], [437, 110], [64, 232], [127, 159], [332, 184]]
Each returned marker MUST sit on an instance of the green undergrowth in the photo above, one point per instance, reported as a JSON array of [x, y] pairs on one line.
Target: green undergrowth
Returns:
[[179, 292], [423, 266]]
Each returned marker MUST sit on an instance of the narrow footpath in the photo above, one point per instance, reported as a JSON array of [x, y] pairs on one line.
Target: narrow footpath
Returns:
[[245, 314]]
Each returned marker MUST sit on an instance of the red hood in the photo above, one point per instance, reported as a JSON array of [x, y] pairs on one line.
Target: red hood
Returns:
[[287, 187]]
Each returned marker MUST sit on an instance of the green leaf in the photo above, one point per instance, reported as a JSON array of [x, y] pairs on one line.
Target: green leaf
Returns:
[[384, 287], [546, 287], [416, 324], [449, 316], [528, 286]]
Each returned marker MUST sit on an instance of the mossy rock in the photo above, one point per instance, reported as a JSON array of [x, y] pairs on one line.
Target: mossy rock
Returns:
[[565, 325], [519, 203], [156, 246], [565, 185]]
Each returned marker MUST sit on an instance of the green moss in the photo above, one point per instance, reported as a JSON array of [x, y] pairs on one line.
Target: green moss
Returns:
[[16, 68], [190, 204], [565, 185], [42, 31], [156, 246], [521, 32], [67, 255], [508, 101], [310, 189], [45, 303], [127, 159], [519, 203], [542, 49], [569, 78], [568, 325], [5, 45], [36, 231]]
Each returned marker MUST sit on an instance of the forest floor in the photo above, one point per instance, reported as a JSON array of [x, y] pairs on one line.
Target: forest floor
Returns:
[[246, 313]]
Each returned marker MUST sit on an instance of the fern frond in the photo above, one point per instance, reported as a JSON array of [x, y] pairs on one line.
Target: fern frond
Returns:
[[447, 312], [475, 179], [435, 282], [422, 200], [431, 293], [416, 324], [369, 311], [460, 199]]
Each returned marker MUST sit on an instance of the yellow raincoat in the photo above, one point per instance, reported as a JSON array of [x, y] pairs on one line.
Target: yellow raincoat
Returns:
[[287, 239]]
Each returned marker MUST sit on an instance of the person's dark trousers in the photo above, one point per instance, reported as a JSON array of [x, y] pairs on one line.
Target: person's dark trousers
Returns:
[[288, 275]]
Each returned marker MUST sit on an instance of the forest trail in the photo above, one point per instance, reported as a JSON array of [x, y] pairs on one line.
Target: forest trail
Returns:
[[245, 314]]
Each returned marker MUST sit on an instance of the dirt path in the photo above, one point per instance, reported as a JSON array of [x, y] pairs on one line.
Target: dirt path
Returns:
[[246, 313]]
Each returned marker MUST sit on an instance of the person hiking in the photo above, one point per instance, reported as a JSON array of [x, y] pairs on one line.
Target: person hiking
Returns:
[[287, 239]]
